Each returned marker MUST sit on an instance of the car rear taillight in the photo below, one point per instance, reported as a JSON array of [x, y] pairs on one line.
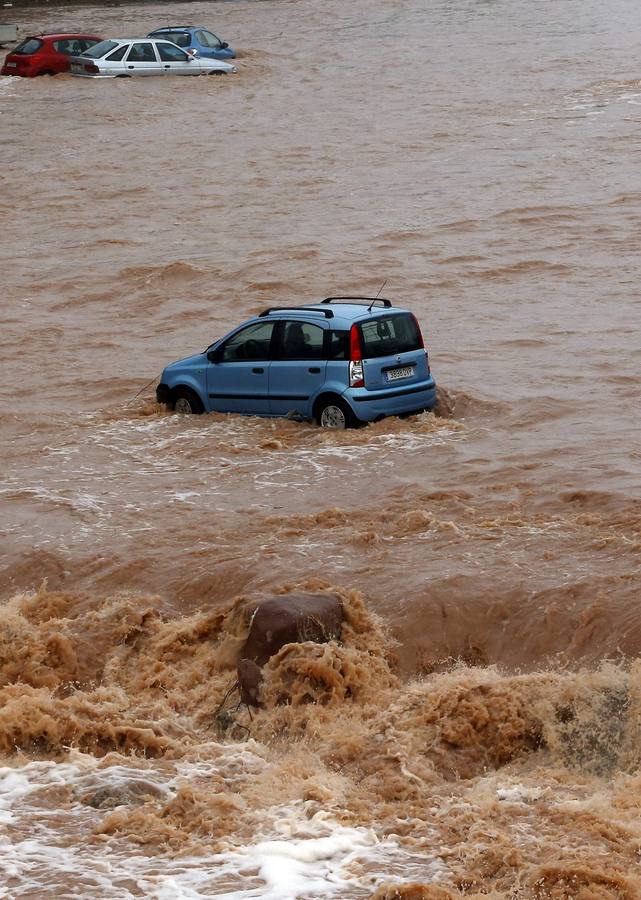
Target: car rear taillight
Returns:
[[91, 68], [356, 378], [421, 342], [418, 331]]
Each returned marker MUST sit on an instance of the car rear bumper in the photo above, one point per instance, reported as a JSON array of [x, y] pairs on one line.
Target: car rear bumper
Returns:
[[371, 405], [22, 71]]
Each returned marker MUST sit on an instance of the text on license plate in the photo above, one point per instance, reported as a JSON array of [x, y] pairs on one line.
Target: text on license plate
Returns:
[[404, 372], [11, 65]]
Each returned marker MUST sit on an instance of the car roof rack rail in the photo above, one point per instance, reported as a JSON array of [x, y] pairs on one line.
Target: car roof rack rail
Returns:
[[370, 300], [308, 309]]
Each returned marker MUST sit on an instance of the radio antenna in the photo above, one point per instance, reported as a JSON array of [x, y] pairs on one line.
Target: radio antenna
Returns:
[[377, 296]]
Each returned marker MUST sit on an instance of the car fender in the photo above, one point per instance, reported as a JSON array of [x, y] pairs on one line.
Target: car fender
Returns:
[[331, 387], [186, 380]]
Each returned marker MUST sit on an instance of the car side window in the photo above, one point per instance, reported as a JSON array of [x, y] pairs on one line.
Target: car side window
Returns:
[[338, 345], [301, 340], [207, 39], [141, 53], [252, 343], [118, 54], [176, 37], [171, 54]]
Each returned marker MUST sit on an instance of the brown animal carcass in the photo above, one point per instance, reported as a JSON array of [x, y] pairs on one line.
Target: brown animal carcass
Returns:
[[287, 619]]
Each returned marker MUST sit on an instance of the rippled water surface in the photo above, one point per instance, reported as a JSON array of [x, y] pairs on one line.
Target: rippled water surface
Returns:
[[476, 731]]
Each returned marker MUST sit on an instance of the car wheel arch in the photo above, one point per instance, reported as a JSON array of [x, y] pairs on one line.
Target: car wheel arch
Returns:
[[186, 391], [326, 397]]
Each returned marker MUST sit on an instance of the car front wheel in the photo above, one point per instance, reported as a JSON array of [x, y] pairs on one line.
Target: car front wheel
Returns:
[[187, 402], [335, 413]]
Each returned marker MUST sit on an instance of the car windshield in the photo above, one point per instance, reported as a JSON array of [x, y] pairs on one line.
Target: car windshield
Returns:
[[29, 46], [386, 335], [100, 50]]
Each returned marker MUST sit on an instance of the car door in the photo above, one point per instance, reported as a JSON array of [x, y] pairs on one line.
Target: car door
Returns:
[[142, 59], [116, 60], [61, 51], [175, 61], [298, 367], [238, 371]]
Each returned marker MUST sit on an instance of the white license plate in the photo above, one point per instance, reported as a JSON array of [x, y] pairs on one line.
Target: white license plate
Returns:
[[12, 65], [397, 374]]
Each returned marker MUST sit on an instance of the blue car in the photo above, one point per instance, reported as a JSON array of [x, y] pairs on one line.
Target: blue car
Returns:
[[341, 362], [199, 40]]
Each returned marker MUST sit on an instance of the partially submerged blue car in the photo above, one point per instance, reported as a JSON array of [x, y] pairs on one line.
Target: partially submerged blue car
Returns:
[[341, 362], [195, 39]]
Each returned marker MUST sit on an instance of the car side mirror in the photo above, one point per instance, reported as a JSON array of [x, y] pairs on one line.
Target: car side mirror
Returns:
[[214, 355], [224, 45]]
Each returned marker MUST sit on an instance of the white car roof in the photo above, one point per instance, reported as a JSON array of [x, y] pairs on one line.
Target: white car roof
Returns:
[[147, 40]]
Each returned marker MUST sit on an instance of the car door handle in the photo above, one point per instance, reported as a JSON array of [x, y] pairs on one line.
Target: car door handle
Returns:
[[314, 371], [258, 371], [130, 67], [167, 67]]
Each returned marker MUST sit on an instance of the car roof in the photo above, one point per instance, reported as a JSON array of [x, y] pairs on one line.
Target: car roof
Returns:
[[343, 312], [60, 34], [174, 28], [130, 39]]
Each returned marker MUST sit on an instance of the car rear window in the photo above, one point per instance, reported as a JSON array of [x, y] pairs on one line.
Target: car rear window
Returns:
[[100, 50], [387, 335], [31, 45]]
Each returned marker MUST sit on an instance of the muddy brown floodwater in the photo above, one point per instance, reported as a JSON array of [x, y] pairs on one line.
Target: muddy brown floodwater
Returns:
[[477, 729]]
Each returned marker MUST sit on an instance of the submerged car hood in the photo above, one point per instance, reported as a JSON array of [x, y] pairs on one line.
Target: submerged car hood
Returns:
[[200, 359]]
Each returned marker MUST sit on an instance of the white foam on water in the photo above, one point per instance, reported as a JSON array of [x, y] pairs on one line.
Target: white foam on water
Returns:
[[49, 848], [14, 785], [519, 793]]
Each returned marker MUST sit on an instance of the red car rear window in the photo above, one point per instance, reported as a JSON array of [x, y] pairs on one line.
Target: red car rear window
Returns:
[[30, 45]]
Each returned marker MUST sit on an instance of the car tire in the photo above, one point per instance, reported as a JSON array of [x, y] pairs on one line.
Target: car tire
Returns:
[[187, 402], [335, 413]]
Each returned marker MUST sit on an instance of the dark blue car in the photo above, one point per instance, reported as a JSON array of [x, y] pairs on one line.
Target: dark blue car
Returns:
[[197, 39]]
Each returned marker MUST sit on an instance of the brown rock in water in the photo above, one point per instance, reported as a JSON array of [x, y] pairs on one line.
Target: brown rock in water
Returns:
[[290, 619]]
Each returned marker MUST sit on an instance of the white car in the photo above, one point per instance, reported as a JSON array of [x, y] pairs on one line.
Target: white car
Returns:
[[124, 57]]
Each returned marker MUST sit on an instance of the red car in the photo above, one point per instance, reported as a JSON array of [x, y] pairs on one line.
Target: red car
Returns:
[[46, 54]]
